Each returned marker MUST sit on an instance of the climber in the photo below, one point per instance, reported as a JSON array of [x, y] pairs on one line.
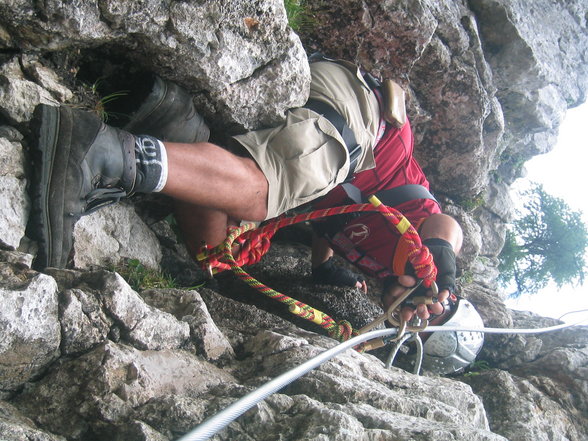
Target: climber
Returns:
[[84, 164]]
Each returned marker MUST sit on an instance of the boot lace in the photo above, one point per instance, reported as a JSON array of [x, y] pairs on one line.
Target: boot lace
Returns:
[[102, 197]]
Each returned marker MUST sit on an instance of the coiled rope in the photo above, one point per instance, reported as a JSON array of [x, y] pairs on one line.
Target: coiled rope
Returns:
[[255, 242], [211, 426]]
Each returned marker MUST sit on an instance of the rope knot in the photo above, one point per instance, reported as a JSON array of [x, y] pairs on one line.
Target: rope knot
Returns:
[[341, 331], [424, 265], [252, 250]]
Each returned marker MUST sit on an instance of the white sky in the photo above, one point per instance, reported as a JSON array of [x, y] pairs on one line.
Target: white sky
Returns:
[[563, 174]]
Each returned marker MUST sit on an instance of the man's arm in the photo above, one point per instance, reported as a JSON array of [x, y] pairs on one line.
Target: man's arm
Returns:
[[325, 271]]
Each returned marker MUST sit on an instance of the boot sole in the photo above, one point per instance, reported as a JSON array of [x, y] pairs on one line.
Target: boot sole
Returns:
[[48, 200]]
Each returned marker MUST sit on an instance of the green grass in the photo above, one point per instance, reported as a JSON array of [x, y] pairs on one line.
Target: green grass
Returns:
[[140, 277], [477, 368], [100, 107], [299, 17]]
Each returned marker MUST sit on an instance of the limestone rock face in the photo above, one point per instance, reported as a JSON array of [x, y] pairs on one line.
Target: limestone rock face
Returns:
[[514, 414], [14, 426], [85, 356], [110, 235], [31, 333], [230, 52], [111, 381], [13, 198], [490, 80]]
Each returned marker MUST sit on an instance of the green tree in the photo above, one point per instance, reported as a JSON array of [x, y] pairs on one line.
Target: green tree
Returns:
[[546, 242]]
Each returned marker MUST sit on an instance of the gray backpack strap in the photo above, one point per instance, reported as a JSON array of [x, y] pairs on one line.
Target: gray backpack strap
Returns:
[[391, 197]]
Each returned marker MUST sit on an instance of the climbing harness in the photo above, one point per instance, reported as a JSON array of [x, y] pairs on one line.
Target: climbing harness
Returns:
[[214, 424], [253, 243]]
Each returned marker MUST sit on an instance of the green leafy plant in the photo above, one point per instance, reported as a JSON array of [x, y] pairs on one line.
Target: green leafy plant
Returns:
[[467, 277], [139, 277], [470, 204], [546, 242]]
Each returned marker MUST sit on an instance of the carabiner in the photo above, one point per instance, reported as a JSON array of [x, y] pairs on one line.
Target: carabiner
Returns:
[[388, 315], [419, 351]]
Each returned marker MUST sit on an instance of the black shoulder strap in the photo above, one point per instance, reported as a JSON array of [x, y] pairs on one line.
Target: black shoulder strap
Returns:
[[391, 197], [344, 130]]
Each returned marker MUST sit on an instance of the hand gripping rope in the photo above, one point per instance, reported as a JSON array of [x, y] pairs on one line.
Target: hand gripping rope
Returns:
[[254, 243]]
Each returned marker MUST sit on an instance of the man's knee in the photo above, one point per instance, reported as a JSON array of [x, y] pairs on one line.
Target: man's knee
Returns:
[[443, 226]]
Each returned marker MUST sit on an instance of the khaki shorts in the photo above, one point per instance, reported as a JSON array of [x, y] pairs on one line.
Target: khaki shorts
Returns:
[[305, 157]]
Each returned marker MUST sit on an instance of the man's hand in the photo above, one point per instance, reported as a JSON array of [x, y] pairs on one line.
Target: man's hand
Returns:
[[444, 258], [331, 274], [396, 289]]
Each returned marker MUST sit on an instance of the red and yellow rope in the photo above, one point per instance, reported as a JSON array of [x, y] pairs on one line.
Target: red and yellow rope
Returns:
[[254, 243]]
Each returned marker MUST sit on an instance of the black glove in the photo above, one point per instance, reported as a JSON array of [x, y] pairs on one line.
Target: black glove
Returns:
[[329, 273], [444, 258]]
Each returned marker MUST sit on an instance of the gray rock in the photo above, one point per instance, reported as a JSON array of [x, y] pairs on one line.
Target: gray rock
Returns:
[[522, 411], [18, 95], [100, 389], [145, 327], [189, 307], [354, 396], [135, 430], [16, 257], [29, 324], [16, 427], [14, 202], [243, 59], [83, 322], [562, 372], [108, 236], [47, 78]]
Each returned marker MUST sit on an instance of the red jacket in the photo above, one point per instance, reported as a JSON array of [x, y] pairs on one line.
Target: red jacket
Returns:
[[369, 241]]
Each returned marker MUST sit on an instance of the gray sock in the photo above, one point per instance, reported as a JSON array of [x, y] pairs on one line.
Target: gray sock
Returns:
[[151, 159]]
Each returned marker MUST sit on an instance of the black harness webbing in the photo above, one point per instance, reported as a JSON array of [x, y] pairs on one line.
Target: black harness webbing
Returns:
[[344, 130], [391, 197]]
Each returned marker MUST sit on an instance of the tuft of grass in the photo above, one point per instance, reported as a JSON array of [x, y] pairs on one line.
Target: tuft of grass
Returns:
[[140, 277], [477, 368], [299, 16], [100, 107], [471, 204]]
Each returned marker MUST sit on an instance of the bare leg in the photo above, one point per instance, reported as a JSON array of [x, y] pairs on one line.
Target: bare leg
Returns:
[[199, 224], [211, 177]]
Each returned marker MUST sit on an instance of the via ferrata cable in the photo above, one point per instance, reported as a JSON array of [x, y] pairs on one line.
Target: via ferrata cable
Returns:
[[211, 426]]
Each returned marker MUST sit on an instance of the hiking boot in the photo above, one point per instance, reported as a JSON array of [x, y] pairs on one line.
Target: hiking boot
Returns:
[[81, 164], [168, 113]]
